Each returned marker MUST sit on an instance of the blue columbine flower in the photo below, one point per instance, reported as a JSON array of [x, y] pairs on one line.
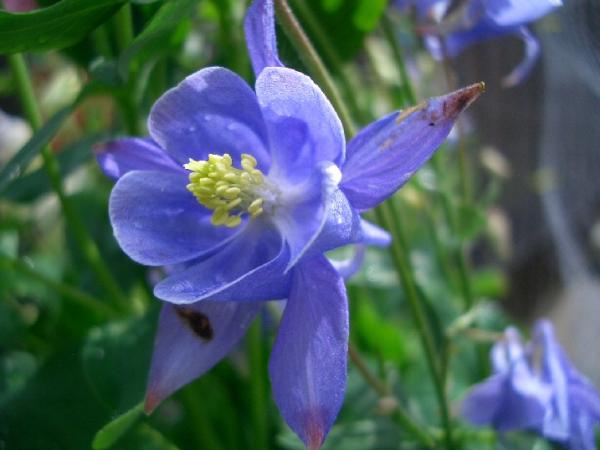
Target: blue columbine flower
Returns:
[[454, 29], [548, 396], [241, 192]]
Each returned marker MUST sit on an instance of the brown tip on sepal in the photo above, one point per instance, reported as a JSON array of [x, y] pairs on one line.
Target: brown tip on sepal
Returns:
[[461, 99], [151, 402]]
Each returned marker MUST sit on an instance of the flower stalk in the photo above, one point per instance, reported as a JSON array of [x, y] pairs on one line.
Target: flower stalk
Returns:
[[88, 247]]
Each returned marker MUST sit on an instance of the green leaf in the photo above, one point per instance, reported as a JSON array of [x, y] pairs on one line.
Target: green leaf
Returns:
[[54, 27], [144, 437], [114, 430], [152, 40]]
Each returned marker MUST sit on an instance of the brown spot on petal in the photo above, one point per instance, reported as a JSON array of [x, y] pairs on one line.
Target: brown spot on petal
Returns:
[[198, 322], [461, 99]]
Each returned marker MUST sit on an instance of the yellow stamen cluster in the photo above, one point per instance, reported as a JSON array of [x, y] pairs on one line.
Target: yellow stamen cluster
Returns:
[[227, 190]]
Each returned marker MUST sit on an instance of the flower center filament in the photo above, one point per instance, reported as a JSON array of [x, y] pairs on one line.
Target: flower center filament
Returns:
[[228, 191]]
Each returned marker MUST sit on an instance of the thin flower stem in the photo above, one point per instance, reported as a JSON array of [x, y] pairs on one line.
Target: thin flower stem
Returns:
[[388, 31], [399, 414], [312, 59], [82, 237], [457, 254], [69, 293], [388, 217], [258, 389]]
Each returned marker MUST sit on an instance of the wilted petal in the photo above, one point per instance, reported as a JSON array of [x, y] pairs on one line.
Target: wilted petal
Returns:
[[303, 127], [119, 156], [250, 267], [192, 339], [532, 53], [158, 222], [309, 358], [384, 155], [211, 111], [259, 27]]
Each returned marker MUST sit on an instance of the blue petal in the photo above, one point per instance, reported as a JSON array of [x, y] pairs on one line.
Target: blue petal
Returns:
[[259, 27], [211, 111], [249, 268], [158, 222], [532, 53], [191, 340], [303, 128], [385, 154], [511, 13], [306, 209], [309, 357], [348, 267], [120, 156]]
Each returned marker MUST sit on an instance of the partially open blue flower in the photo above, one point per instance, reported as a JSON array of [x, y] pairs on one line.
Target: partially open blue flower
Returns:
[[452, 30], [547, 396], [242, 192]]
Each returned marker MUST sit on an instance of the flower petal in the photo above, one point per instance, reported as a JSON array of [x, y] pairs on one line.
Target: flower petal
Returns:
[[259, 27], [158, 222], [384, 155], [303, 127], [119, 156], [348, 267], [211, 111], [191, 340], [309, 357], [532, 54], [250, 267]]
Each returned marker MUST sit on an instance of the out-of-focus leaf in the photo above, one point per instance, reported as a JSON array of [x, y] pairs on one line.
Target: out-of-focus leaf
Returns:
[[110, 433], [152, 40], [55, 410], [471, 221], [30, 186], [16, 368], [367, 14], [54, 27], [490, 283], [116, 358]]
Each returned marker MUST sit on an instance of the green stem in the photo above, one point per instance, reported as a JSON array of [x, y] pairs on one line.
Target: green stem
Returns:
[[312, 59], [388, 217], [408, 91], [258, 389], [399, 414], [82, 237], [201, 428], [70, 293]]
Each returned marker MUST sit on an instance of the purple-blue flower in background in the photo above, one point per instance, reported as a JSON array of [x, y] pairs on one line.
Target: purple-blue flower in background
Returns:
[[573, 415], [549, 396], [241, 193], [450, 27]]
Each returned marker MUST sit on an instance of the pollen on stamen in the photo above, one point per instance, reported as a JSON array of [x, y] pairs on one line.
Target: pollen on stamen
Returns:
[[228, 191]]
